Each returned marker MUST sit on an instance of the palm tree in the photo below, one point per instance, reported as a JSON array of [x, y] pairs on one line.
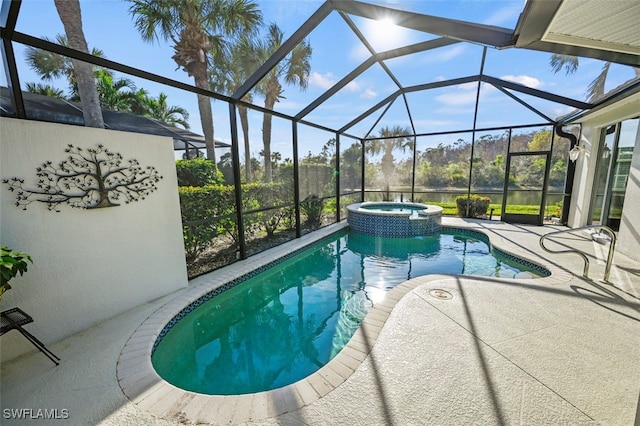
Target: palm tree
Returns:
[[46, 90], [294, 69], [49, 66], [570, 65], [199, 30], [159, 110], [69, 11], [117, 95], [230, 72], [390, 138]]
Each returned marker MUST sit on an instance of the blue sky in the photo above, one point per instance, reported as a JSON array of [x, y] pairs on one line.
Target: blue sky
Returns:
[[336, 52]]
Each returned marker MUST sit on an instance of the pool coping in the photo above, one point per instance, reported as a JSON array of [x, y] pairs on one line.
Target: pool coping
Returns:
[[139, 381]]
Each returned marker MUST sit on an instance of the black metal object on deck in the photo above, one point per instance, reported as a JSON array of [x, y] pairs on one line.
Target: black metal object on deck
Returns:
[[14, 319]]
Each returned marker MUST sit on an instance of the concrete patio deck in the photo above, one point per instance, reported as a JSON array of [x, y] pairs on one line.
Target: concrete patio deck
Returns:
[[556, 350]]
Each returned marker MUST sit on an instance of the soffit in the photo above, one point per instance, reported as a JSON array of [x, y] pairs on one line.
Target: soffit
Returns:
[[585, 23]]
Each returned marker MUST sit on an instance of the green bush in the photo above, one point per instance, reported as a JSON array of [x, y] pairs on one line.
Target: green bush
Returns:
[[212, 208], [477, 205], [197, 172], [203, 203], [312, 207]]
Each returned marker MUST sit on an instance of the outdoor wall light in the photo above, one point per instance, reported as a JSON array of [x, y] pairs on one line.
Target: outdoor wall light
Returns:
[[575, 152]]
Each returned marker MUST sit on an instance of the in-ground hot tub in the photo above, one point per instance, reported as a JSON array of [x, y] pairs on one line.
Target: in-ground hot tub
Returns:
[[392, 219]]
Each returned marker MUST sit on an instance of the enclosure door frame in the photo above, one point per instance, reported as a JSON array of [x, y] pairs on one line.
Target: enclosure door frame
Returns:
[[523, 218]]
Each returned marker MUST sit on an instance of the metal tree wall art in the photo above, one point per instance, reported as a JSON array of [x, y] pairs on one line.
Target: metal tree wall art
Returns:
[[87, 179]]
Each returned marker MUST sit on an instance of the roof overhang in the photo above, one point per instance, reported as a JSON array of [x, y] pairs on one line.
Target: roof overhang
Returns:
[[579, 28]]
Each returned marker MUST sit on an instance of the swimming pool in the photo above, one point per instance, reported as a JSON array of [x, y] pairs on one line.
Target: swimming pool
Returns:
[[283, 324]]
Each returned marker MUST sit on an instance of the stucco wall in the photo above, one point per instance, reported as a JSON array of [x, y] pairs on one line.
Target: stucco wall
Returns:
[[89, 264]]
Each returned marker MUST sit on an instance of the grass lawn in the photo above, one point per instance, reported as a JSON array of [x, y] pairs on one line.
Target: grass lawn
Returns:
[[450, 209]]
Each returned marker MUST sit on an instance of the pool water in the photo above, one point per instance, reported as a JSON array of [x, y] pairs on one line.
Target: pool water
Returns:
[[287, 322], [396, 208]]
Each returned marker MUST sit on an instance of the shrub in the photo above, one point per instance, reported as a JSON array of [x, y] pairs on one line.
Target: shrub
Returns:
[[312, 207], [197, 172], [477, 205], [203, 204]]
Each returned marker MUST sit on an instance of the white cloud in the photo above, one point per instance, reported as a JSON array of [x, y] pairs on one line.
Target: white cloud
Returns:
[[468, 86], [465, 94], [504, 16], [525, 80], [460, 98], [353, 86], [368, 94], [444, 54], [324, 81]]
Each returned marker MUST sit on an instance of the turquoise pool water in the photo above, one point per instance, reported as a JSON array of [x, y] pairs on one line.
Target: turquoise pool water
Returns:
[[287, 322], [397, 207]]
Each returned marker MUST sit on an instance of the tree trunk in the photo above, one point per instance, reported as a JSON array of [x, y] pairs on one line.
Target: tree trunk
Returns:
[[69, 11], [244, 122], [206, 112], [266, 139]]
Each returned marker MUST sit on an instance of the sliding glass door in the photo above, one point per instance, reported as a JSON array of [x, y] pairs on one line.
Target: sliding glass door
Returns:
[[612, 172]]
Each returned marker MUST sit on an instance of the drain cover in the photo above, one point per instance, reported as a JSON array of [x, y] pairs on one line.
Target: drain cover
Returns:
[[440, 294]]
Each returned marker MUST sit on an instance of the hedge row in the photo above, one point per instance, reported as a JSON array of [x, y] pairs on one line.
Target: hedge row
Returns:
[[212, 208]]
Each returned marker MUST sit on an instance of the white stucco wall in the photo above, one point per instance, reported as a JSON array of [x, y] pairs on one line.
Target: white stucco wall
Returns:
[[89, 265], [629, 234]]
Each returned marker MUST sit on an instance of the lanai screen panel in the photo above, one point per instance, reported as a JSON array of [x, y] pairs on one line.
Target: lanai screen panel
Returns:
[[443, 109], [333, 46], [269, 208], [488, 164], [364, 92], [497, 109], [442, 167], [316, 164], [350, 173], [40, 19], [443, 63], [395, 119]]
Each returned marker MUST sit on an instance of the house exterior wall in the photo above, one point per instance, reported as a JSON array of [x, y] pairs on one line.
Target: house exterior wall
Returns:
[[629, 234], [88, 264]]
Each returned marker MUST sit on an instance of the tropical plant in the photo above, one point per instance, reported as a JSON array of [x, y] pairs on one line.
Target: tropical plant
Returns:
[[50, 66], [312, 207], [117, 95], [12, 263], [69, 11], [45, 89], [292, 70], [199, 31], [389, 139], [158, 109]]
